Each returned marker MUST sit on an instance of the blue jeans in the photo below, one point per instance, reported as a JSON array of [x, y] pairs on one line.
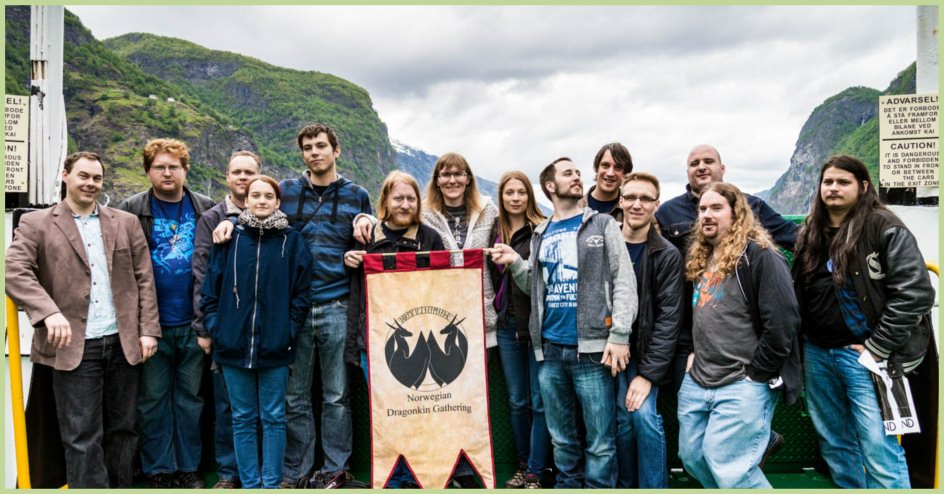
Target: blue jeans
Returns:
[[95, 405], [724, 431], [169, 404], [528, 426], [842, 402], [640, 438], [569, 380], [325, 331], [258, 394], [223, 429]]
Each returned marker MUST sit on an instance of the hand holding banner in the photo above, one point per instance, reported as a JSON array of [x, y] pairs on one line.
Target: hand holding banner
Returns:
[[426, 358]]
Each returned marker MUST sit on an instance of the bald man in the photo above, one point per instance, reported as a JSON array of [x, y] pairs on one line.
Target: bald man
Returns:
[[677, 218]]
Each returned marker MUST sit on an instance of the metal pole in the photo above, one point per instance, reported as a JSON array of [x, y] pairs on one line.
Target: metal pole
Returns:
[[926, 74], [16, 395], [48, 137]]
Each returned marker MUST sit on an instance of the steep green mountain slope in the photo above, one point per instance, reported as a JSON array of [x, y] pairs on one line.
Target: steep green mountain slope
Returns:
[[846, 123], [271, 103], [110, 109]]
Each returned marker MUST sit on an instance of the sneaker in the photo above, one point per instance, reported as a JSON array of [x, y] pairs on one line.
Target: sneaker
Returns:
[[316, 481], [322, 480], [338, 480], [532, 481], [517, 480], [772, 447], [160, 481], [464, 482], [288, 484], [189, 480], [227, 484]]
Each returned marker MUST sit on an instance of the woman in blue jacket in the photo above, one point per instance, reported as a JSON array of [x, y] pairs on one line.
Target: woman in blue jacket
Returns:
[[255, 298]]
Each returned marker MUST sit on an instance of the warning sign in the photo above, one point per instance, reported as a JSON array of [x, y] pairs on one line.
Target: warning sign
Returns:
[[908, 148], [16, 148]]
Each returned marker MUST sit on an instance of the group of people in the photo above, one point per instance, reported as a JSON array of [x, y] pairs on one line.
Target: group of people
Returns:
[[615, 299]]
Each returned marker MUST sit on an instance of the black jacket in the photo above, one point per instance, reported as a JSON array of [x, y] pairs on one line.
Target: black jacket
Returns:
[[140, 206], [659, 322], [417, 238], [764, 279], [893, 289], [519, 301], [255, 297], [202, 244], [677, 218]]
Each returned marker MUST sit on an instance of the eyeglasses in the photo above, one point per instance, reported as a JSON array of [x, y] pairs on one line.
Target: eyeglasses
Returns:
[[164, 168], [450, 175], [644, 200]]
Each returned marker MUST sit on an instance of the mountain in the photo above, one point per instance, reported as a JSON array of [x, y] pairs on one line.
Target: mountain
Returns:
[[129, 89], [846, 123], [270, 103], [109, 109]]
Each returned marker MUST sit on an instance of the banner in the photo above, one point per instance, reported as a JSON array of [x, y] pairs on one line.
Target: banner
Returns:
[[426, 362]]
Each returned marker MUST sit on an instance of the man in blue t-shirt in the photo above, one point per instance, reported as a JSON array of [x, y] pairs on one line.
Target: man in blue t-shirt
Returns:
[[580, 324], [169, 404]]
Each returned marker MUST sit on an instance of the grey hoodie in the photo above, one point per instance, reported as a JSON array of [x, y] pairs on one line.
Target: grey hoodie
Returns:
[[606, 285]]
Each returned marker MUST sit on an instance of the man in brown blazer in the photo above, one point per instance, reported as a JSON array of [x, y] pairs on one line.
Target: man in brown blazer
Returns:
[[82, 272]]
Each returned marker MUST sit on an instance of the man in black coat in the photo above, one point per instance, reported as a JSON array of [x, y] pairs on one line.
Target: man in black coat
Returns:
[[640, 441]]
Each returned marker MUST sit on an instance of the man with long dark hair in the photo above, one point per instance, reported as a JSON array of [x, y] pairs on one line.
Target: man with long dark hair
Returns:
[[862, 287]]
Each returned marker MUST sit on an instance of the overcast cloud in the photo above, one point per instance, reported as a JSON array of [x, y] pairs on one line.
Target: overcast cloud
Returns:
[[516, 87]]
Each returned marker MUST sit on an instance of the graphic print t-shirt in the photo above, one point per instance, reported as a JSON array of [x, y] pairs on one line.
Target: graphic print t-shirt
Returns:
[[722, 329], [558, 261], [171, 259]]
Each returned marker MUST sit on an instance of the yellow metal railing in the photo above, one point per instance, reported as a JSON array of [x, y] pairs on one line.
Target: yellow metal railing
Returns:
[[934, 268], [16, 393]]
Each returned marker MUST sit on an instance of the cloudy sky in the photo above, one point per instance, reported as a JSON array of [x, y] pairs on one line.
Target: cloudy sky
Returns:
[[516, 87]]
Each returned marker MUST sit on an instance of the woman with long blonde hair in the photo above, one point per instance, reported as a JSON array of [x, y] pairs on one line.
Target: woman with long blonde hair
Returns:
[[518, 214]]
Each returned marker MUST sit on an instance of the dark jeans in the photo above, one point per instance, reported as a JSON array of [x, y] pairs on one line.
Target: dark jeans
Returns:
[[528, 425], [169, 404], [223, 429], [95, 405]]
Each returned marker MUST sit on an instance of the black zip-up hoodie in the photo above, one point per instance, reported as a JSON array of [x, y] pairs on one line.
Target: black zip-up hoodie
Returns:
[[417, 238]]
